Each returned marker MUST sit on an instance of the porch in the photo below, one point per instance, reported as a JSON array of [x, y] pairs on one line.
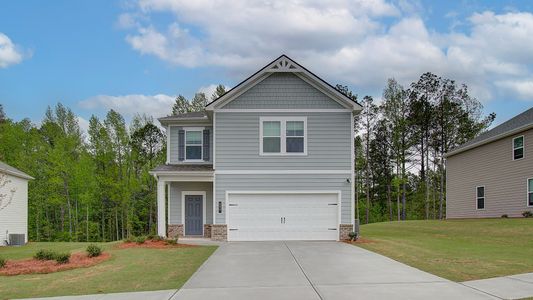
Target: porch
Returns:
[[185, 201]]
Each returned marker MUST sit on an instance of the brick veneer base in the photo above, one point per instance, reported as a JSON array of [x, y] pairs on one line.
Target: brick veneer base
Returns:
[[174, 231], [207, 230], [219, 232], [344, 231]]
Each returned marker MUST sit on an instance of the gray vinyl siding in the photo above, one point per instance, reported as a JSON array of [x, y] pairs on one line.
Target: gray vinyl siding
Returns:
[[282, 91], [173, 144], [328, 143], [492, 166], [305, 182], [175, 199]]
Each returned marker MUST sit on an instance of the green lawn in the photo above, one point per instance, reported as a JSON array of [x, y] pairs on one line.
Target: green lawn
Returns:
[[458, 250], [134, 269]]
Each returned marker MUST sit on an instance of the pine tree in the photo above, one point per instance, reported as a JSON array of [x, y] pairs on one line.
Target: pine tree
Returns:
[[219, 91], [181, 106], [198, 103]]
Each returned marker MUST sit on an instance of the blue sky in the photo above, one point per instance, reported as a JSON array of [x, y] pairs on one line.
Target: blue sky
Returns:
[[136, 56]]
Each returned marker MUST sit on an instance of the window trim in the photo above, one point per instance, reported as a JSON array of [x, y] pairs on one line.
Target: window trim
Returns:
[[201, 130], [523, 147], [484, 197], [528, 192], [283, 135]]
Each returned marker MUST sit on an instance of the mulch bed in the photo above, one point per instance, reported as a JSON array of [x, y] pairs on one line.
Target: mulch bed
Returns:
[[34, 266], [361, 241], [153, 245]]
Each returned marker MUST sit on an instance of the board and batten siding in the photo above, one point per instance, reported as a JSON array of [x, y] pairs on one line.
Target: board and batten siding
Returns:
[[173, 144], [174, 204], [283, 91], [14, 216], [491, 166], [328, 142], [284, 182]]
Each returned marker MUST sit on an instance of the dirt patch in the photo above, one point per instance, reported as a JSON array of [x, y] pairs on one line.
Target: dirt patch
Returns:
[[34, 266], [153, 245], [361, 241]]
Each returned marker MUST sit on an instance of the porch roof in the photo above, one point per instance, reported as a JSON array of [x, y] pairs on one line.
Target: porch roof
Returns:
[[184, 172]]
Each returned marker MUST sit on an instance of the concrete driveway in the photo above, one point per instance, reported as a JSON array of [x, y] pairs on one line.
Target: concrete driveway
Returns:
[[313, 270]]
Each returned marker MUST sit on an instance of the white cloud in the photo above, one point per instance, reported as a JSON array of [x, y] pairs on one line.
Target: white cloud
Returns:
[[9, 52], [159, 105], [344, 41], [523, 89]]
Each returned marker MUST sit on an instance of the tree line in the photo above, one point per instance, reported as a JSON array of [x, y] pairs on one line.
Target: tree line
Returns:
[[96, 186], [401, 142]]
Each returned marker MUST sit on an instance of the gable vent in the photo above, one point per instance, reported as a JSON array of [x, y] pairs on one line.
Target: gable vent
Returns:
[[284, 65]]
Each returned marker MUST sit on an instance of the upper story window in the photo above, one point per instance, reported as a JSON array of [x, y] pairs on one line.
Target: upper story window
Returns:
[[518, 147], [283, 136], [193, 145], [530, 192], [480, 197]]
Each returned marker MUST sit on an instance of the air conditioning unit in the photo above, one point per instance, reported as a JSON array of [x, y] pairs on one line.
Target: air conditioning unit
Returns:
[[17, 239]]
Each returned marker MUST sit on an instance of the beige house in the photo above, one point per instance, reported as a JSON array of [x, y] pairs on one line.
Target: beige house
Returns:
[[492, 175]]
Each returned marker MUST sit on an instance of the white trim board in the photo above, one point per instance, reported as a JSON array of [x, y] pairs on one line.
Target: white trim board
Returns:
[[280, 172], [193, 193], [280, 110]]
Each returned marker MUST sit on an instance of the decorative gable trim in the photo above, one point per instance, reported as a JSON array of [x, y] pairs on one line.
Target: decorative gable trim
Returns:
[[287, 65]]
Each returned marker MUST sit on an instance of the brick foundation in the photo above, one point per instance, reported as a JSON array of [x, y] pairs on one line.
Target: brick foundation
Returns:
[[219, 232], [175, 230], [207, 230], [344, 231]]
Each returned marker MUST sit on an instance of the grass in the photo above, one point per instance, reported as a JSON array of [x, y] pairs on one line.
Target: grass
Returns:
[[133, 269], [458, 250]]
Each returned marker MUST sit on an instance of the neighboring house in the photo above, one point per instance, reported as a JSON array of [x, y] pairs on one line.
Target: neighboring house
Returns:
[[271, 159], [13, 205], [492, 175]]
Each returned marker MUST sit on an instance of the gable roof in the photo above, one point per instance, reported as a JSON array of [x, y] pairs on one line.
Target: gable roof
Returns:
[[284, 64], [5, 168], [519, 123]]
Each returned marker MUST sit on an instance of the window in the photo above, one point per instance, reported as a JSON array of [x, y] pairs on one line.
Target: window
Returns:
[[271, 137], [518, 147], [530, 192], [295, 137], [480, 197], [193, 145], [283, 136]]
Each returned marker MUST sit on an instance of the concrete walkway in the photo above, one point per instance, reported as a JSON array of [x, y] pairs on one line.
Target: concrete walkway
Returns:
[[320, 270], [507, 287]]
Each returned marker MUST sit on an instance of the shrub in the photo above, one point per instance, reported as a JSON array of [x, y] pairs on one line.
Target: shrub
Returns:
[[3, 262], [150, 237], [62, 258], [93, 250], [505, 216], [527, 214], [139, 239], [129, 239], [157, 238], [171, 241], [353, 236], [45, 255]]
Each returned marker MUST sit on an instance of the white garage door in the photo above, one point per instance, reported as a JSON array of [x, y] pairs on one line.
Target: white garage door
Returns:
[[266, 217]]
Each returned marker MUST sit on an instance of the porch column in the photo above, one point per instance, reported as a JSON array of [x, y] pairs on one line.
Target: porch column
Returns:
[[161, 217]]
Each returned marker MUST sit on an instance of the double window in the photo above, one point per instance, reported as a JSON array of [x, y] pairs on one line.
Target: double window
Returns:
[[283, 135], [193, 144], [518, 147], [480, 197], [530, 192]]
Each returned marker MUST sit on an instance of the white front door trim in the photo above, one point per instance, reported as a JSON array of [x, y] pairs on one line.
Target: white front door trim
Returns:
[[197, 193]]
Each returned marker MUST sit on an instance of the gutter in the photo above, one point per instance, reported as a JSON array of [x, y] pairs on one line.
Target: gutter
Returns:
[[490, 140]]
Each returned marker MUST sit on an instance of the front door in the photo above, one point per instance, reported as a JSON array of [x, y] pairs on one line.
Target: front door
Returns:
[[194, 222]]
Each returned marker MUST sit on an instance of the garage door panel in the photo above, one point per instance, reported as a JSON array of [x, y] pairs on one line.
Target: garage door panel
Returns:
[[254, 217]]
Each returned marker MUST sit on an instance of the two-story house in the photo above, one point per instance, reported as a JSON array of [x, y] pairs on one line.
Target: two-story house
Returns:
[[492, 175], [271, 159]]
